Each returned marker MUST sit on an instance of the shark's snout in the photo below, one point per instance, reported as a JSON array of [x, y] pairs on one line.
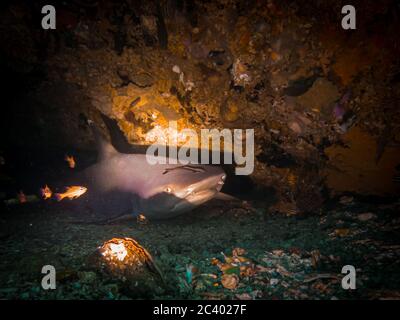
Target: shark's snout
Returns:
[[212, 183]]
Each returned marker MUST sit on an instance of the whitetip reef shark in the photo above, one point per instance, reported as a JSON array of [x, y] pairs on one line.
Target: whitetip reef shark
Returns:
[[120, 184]]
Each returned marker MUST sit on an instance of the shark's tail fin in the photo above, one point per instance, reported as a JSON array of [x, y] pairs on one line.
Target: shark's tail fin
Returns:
[[117, 137]]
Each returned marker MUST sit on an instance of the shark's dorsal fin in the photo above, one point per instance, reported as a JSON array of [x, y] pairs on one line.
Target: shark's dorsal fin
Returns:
[[117, 137], [104, 148]]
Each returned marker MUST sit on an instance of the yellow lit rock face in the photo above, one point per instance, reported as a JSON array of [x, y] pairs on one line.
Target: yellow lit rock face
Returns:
[[230, 111], [354, 168], [139, 110]]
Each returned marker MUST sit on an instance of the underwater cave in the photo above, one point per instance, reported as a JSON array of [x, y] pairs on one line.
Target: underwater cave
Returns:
[[226, 149]]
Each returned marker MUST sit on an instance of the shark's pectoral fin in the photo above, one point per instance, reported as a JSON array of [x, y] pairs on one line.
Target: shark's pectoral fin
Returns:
[[225, 197]]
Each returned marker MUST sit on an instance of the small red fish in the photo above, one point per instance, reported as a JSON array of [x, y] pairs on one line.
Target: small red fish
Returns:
[[141, 219], [46, 192], [70, 160], [21, 197], [72, 192]]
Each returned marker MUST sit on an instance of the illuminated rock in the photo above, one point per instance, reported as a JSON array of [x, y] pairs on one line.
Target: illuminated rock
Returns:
[[125, 260]]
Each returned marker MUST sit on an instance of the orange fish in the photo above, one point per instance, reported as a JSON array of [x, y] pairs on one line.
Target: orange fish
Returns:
[[21, 197], [70, 160], [46, 192], [72, 192], [141, 219]]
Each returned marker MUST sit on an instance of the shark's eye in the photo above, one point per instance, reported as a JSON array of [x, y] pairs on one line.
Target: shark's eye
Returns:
[[168, 190]]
